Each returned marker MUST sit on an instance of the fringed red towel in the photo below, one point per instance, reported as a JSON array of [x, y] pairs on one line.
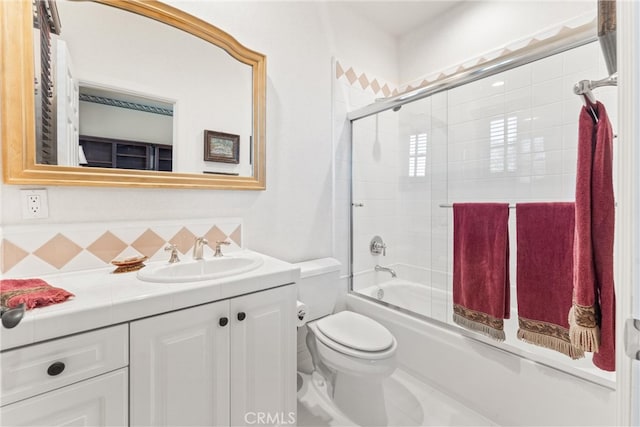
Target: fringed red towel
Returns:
[[544, 235], [32, 292], [592, 317], [481, 267]]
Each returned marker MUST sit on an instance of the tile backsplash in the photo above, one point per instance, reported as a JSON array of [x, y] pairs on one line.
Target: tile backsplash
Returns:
[[28, 251]]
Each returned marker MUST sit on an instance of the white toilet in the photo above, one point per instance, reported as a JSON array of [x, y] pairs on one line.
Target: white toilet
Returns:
[[352, 352]]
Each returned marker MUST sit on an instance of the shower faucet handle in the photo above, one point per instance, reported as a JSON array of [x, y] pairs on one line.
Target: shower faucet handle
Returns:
[[377, 246]]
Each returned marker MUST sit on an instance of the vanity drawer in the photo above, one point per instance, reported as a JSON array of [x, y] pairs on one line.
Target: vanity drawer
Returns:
[[42, 367]]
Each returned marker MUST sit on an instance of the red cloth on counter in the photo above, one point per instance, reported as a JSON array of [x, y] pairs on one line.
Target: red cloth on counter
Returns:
[[32, 292]]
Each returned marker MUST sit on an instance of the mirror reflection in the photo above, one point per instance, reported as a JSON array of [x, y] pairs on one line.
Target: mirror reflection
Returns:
[[118, 90]]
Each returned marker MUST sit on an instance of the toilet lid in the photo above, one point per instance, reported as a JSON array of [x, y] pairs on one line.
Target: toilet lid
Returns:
[[355, 331]]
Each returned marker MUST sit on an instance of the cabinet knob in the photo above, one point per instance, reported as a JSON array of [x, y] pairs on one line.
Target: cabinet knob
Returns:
[[241, 316], [223, 321], [56, 369]]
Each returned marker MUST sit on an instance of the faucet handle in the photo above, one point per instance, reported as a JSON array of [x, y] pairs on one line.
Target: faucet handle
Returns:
[[218, 244], [377, 246], [174, 253]]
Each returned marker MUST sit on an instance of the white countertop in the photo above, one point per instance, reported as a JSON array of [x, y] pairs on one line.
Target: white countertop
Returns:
[[103, 299]]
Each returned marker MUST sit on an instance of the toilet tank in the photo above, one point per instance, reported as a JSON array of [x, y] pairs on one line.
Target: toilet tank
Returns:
[[319, 286]]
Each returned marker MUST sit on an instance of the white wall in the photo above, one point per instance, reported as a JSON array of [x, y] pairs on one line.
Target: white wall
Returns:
[[292, 219], [477, 27]]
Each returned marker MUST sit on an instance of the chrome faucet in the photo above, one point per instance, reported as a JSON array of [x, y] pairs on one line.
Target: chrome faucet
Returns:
[[377, 246], [198, 247], [387, 269], [218, 251], [174, 253]]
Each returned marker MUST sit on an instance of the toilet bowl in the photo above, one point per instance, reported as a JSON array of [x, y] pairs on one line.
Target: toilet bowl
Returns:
[[354, 354], [351, 354], [351, 343]]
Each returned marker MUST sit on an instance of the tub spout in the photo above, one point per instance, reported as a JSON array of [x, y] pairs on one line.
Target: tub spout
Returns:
[[390, 270]]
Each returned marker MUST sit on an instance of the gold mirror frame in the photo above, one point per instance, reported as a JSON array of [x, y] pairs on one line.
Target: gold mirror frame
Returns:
[[17, 113]]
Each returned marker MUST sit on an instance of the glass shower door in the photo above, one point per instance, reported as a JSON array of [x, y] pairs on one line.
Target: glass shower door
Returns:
[[399, 232]]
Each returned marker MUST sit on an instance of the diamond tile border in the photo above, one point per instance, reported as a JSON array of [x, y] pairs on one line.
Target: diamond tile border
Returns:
[[573, 26], [361, 80], [29, 251]]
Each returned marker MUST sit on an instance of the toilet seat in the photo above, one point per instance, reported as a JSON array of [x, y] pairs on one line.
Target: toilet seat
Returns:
[[355, 335]]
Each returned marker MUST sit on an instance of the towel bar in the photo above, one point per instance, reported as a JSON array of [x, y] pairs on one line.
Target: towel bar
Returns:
[[448, 205]]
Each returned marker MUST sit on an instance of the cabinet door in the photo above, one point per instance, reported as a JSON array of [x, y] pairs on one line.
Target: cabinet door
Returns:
[[180, 368], [100, 401], [263, 358]]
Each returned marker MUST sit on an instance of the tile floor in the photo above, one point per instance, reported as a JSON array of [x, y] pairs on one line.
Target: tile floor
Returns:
[[409, 402]]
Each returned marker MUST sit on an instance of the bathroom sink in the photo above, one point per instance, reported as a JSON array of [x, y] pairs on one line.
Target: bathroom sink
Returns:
[[206, 269]]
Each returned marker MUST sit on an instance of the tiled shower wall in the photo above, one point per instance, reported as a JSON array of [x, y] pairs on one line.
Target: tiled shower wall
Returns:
[[508, 138], [513, 137], [353, 88], [399, 178]]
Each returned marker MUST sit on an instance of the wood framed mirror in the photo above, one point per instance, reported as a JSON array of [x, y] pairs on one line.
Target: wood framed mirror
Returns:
[[22, 153]]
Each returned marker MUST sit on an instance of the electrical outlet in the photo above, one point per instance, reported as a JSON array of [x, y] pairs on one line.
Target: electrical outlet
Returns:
[[34, 204]]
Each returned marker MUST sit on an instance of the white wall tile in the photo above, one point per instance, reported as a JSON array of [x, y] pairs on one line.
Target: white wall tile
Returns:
[[547, 92], [546, 116], [518, 99], [517, 78], [581, 58], [547, 68]]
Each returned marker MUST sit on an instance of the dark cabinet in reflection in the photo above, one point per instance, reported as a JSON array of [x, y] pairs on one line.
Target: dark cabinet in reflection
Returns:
[[120, 154]]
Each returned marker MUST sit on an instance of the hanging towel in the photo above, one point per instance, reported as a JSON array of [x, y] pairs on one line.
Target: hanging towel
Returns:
[[32, 292], [544, 236], [481, 267], [592, 317]]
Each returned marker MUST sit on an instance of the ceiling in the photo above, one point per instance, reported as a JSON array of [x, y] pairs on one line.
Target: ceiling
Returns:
[[398, 18]]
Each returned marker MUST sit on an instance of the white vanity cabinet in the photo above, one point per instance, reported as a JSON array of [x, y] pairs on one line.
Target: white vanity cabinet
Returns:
[[218, 364], [76, 380]]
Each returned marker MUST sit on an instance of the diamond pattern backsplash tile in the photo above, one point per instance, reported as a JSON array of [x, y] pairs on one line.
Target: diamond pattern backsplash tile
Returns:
[[148, 243], [29, 251], [183, 240], [107, 247], [236, 236], [58, 251], [10, 255], [215, 235]]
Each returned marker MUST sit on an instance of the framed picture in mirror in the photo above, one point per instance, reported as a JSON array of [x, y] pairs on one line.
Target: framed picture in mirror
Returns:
[[221, 147]]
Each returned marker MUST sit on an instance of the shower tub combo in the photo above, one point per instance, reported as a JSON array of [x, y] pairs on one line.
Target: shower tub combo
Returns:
[[504, 133]]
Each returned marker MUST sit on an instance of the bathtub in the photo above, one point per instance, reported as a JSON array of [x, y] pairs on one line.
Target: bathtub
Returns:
[[415, 297], [505, 382]]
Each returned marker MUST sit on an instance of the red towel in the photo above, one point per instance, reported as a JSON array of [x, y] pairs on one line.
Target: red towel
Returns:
[[592, 317], [481, 267], [32, 292], [544, 235]]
